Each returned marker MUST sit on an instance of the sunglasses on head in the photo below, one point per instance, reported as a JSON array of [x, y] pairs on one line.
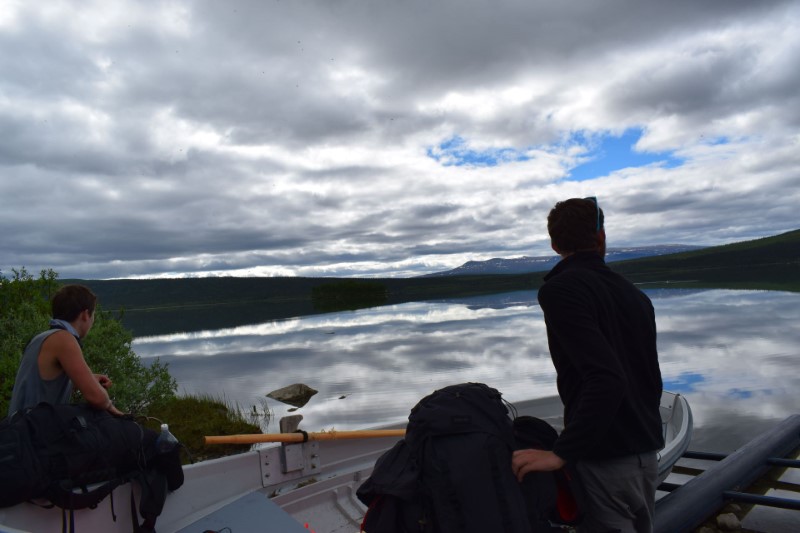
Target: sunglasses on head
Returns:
[[596, 208]]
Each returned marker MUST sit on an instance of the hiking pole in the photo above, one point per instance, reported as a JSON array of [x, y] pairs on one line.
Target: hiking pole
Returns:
[[302, 436]]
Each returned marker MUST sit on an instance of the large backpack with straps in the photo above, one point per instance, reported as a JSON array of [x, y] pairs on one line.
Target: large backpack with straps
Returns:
[[452, 472], [74, 456]]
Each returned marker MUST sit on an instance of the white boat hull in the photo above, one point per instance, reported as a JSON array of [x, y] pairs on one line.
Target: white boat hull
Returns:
[[296, 487]]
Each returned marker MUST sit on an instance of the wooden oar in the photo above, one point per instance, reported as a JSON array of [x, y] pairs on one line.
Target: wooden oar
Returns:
[[300, 437]]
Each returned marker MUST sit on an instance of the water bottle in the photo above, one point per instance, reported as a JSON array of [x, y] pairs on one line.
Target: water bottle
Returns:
[[166, 441]]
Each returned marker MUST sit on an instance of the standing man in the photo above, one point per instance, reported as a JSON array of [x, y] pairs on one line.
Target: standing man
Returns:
[[53, 360], [602, 336]]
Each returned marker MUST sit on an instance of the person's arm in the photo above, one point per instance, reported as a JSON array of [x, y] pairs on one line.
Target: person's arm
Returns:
[[531, 460], [65, 351]]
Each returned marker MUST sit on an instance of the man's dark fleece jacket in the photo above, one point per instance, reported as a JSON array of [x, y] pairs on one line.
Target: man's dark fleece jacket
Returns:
[[602, 335]]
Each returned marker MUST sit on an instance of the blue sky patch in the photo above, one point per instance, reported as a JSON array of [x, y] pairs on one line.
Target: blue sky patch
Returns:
[[604, 154], [683, 382], [456, 152], [607, 153]]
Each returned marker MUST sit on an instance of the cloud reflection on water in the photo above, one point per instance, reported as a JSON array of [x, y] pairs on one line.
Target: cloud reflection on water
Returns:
[[732, 353]]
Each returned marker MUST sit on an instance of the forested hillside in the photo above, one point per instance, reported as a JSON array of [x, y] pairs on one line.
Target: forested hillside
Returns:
[[768, 263]]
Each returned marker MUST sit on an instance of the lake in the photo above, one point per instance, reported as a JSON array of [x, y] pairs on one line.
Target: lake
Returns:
[[733, 354]]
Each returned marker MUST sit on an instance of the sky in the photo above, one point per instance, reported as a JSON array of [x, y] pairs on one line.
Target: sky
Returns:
[[353, 138]]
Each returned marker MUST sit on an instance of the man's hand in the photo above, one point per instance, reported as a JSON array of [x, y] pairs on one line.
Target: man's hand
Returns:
[[103, 380], [524, 461]]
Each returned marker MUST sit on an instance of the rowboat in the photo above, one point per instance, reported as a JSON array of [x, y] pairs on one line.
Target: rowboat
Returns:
[[291, 487]]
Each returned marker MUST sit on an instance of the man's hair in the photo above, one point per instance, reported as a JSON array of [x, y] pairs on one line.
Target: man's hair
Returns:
[[573, 224], [71, 300]]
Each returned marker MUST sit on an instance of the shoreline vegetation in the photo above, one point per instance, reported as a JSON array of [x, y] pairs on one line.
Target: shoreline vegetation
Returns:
[[162, 306]]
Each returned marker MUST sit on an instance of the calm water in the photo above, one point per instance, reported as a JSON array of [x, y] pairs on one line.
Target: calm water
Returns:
[[734, 354]]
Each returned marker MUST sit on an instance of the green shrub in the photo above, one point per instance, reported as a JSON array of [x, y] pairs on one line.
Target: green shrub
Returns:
[[24, 312], [108, 351]]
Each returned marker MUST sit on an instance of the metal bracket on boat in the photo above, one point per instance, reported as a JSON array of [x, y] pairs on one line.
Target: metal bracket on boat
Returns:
[[288, 462], [299, 457]]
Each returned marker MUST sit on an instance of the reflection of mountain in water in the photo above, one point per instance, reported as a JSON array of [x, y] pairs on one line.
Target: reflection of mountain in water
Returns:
[[528, 298], [672, 293], [495, 301], [147, 322]]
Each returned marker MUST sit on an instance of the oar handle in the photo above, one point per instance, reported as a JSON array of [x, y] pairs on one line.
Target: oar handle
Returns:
[[300, 437]]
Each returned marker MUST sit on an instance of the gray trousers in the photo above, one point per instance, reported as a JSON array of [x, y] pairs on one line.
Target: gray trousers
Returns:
[[620, 493]]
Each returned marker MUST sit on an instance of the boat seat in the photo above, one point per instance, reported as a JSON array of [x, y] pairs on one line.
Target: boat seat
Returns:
[[252, 512]]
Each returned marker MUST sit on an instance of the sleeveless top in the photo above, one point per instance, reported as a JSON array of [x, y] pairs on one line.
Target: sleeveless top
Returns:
[[29, 387]]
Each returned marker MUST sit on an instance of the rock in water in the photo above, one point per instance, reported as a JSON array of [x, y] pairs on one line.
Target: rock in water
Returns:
[[296, 395]]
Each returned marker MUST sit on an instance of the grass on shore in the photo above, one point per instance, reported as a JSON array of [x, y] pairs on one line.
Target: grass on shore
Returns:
[[192, 417]]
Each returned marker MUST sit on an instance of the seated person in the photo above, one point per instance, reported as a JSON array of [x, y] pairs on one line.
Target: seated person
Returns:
[[52, 362]]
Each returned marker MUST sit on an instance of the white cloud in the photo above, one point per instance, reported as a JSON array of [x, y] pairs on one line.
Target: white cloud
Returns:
[[283, 138]]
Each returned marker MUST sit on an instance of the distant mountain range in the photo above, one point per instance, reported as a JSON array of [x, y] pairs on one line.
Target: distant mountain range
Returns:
[[160, 306], [524, 265]]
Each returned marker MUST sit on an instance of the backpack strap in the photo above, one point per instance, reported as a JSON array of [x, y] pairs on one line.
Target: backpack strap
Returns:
[[64, 521], [63, 496], [153, 485], [147, 526]]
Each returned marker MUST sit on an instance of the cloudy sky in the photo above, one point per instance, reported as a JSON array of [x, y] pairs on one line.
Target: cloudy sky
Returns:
[[385, 138]]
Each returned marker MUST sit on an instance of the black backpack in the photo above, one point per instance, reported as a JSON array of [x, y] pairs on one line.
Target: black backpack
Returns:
[[452, 472], [74, 456], [392, 494]]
